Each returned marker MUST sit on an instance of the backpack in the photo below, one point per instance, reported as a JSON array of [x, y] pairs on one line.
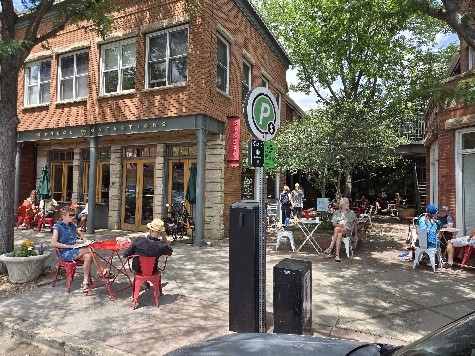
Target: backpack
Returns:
[[284, 198]]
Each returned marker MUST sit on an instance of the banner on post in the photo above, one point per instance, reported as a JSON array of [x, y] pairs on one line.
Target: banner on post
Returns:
[[234, 140]]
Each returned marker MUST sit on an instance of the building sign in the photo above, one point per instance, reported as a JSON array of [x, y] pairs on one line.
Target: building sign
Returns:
[[262, 114], [234, 140]]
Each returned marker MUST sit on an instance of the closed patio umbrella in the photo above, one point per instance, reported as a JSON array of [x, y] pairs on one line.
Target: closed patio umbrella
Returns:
[[191, 189], [44, 188]]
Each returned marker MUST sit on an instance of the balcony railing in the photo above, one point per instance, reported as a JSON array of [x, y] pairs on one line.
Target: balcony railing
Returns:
[[414, 130]]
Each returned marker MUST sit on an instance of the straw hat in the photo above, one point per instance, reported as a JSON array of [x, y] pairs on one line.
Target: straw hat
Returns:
[[156, 225]]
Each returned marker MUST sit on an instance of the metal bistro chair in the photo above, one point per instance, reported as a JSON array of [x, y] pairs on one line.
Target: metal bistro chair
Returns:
[[272, 215], [22, 216], [432, 252], [147, 275], [347, 240], [70, 268]]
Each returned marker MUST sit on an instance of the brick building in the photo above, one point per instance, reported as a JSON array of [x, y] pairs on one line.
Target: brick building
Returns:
[[133, 111], [450, 149]]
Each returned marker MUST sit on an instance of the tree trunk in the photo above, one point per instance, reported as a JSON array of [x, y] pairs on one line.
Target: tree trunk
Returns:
[[8, 130]]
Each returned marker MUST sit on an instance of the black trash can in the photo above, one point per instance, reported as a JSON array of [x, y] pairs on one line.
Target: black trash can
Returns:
[[244, 267], [293, 297]]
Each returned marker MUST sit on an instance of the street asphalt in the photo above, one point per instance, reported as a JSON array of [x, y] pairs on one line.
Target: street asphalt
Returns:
[[376, 297]]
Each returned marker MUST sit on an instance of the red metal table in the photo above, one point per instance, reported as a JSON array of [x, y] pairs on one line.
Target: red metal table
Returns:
[[111, 266]]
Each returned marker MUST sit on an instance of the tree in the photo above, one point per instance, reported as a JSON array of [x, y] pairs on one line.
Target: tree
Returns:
[[362, 58], [19, 34], [458, 14]]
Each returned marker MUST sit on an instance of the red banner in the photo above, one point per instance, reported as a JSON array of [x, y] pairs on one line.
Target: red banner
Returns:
[[234, 140]]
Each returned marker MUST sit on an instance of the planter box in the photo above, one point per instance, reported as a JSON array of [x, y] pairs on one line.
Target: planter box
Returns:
[[24, 269]]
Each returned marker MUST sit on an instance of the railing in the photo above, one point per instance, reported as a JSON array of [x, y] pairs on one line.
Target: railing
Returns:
[[414, 130]]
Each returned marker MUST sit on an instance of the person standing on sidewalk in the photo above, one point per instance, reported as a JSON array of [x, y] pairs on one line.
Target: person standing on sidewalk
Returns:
[[297, 199], [286, 204]]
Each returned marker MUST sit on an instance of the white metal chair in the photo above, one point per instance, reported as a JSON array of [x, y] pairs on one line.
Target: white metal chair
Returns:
[[366, 216], [432, 252], [353, 233], [272, 215]]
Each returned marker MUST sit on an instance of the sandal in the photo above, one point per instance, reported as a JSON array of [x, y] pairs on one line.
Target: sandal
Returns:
[[337, 259], [85, 287]]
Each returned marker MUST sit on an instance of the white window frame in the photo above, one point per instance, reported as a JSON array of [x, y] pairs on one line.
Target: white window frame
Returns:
[[120, 67], [459, 200], [167, 56], [265, 83], [278, 98], [75, 75], [471, 58], [40, 83], [248, 79], [223, 65], [434, 173]]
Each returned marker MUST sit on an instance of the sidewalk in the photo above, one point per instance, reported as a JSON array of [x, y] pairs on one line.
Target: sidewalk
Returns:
[[373, 297]]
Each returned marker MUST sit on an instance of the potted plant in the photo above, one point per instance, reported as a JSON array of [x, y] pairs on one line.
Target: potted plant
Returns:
[[405, 211], [25, 264]]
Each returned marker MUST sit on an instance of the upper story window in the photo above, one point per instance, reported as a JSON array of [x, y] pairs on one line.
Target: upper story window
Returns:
[[246, 79], [37, 83], [167, 57], [118, 67], [471, 58], [265, 83], [73, 76], [222, 78]]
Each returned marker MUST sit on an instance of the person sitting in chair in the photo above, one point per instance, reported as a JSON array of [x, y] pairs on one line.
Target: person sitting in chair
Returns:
[[429, 222], [344, 221], [47, 206], [457, 243], [82, 218], [155, 244], [65, 235]]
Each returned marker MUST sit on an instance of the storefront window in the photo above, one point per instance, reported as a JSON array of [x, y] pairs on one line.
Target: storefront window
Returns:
[[140, 151]]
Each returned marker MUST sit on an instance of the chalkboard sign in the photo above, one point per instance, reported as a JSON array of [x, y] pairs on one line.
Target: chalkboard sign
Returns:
[[247, 187], [322, 204]]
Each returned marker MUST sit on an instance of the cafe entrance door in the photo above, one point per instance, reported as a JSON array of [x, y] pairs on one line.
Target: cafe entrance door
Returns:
[[138, 194], [178, 177]]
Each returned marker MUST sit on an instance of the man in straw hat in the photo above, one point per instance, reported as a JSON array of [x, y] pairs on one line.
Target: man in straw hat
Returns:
[[155, 244]]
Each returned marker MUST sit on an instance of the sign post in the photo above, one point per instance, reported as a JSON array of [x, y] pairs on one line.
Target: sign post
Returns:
[[263, 121]]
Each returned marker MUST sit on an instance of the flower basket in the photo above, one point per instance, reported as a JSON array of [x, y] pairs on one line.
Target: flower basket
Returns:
[[403, 213], [24, 269]]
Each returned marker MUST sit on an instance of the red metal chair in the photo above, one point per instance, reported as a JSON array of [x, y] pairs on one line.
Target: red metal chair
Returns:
[[22, 216], [43, 220], [147, 275], [70, 268], [466, 255]]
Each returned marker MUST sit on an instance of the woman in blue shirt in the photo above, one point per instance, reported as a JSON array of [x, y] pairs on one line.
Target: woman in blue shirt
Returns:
[[65, 235]]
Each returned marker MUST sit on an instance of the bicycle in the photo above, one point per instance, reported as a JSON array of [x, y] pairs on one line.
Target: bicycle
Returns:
[[178, 220]]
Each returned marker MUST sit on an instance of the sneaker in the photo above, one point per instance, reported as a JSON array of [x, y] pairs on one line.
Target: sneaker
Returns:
[[447, 265]]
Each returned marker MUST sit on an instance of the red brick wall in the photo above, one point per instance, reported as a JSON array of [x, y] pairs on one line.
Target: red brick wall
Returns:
[[28, 164]]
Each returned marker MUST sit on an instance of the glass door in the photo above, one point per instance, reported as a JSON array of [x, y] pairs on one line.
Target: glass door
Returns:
[[178, 177], [62, 181], [138, 195]]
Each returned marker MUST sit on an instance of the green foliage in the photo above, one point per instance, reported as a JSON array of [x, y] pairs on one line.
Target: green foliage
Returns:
[[26, 249], [326, 223], [363, 59]]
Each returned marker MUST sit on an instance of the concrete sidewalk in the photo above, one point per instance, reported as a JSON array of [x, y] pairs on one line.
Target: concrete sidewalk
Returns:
[[372, 297]]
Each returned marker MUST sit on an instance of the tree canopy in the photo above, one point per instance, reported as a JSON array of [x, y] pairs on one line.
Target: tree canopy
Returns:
[[363, 59]]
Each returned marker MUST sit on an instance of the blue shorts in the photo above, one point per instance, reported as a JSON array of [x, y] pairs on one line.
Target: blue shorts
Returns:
[[297, 209], [68, 254]]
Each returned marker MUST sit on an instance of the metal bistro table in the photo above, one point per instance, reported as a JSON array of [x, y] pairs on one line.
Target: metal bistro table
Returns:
[[308, 227], [110, 266]]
